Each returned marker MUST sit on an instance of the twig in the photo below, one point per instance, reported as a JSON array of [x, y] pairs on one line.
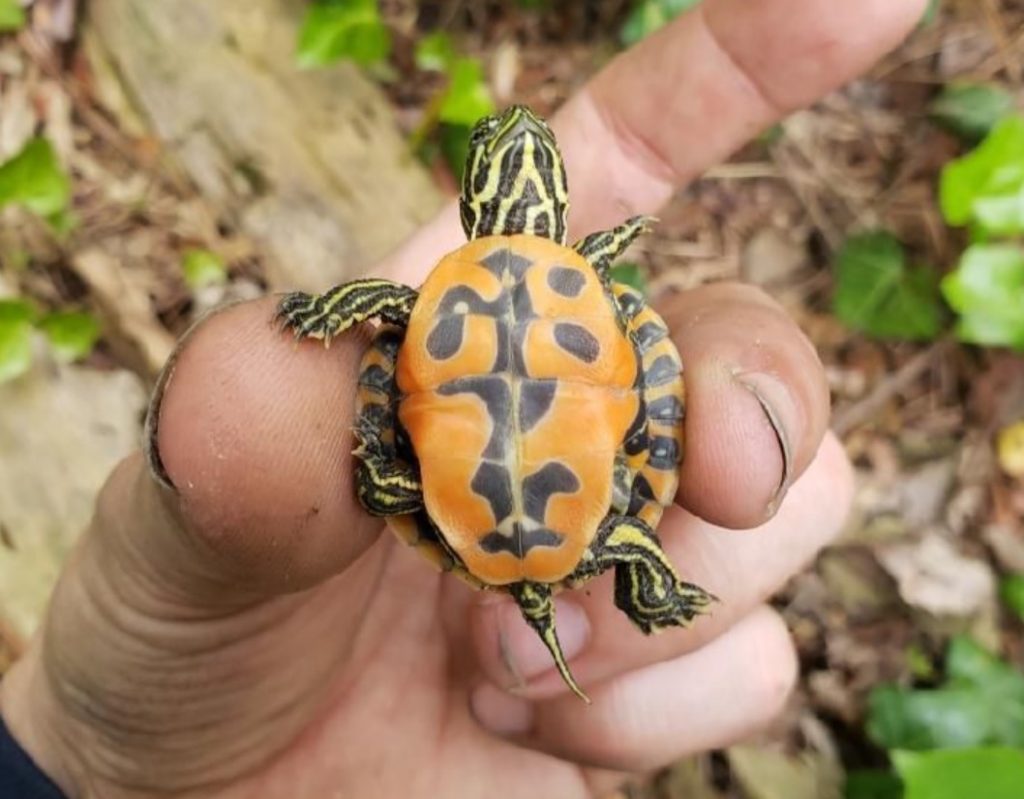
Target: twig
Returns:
[[854, 415]]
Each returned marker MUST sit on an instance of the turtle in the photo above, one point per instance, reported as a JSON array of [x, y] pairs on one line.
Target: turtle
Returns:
[[519, 418]]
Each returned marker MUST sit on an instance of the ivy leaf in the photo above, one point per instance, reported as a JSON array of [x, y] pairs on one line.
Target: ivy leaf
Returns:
[[12, 15], [34, 178], [872, 784], [15, 338], [877, 292], [984, 773], [971, 110], [986, 186], [435, 52], [648, 16], [987, 291], [1012, 592], [454, 143], [467, 97], [629, 273], [981, 703], [342, 29], [203, 268], [72, 334]]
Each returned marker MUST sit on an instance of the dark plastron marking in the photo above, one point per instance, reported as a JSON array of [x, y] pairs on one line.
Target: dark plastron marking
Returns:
[[577, 341], [445, 339], [566, 281], [665, 409], [503, 261], [497, 396], [664, 453], [535, 400], [449, 331], [552, 478], [664, 370], [649, 334], [520, 542], [493, 482]]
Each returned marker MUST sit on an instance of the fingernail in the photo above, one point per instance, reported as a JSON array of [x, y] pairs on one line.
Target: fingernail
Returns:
[[163, 381], [779, 409], [499, 712], [522, 650]]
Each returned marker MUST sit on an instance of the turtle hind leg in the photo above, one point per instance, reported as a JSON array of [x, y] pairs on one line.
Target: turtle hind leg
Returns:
[[385, 484], [534, 600], [326, 315], [602, 248], [647, 587]]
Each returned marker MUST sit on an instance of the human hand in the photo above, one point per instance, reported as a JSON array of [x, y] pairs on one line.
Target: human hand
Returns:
[[250, 632]]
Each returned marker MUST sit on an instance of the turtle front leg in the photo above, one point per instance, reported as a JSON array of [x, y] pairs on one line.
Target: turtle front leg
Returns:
[[534, 600], [601, 249], [647, 587], [326, 315]]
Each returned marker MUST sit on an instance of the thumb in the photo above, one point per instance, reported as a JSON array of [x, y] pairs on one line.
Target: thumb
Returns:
[[249, 441]]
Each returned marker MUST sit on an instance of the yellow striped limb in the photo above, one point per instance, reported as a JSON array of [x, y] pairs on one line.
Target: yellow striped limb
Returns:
[[647, 587], [326, 315], [601, 249]]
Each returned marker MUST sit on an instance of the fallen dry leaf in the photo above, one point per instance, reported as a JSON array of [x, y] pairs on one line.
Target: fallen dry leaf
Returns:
[[933, 576], [769, 774]]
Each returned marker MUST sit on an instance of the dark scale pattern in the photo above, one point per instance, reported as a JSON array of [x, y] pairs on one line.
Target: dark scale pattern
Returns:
[[649, 334], [664, 370], [578, 341], [566, 281], [535, 399], [446, 338], [664, 453]]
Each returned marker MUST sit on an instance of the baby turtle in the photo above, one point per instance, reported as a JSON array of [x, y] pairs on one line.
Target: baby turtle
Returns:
[[520, 417]]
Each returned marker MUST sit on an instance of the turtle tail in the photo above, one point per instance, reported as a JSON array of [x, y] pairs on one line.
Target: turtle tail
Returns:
[[534, 600]]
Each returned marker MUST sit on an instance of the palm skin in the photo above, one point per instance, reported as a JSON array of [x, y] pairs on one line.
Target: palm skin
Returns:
[[238, 627]]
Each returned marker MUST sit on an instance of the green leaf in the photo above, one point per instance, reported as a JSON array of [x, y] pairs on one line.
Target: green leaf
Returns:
[[629, 273], [435, 52], [993, 175], [1012, 592], [876, 291], [12, 15], [989, 773], [987, 291], [342, 29], [467, 97], [72, 334], [872, 784], [931, 12], [203, 268], [971, 110], [15, 338], [34, 178], [648, 16], [981, 703]]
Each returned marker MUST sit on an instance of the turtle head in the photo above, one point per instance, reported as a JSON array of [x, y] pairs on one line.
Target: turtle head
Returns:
[[514, 181]]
